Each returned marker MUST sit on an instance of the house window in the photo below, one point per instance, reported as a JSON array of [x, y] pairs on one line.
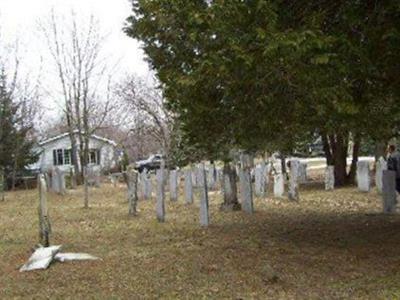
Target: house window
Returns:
[[94, 156], [61, 157], [67, 156]]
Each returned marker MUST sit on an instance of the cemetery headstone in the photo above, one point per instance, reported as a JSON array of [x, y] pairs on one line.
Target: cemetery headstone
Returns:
[[55, 182], [293, 180], [44, 220], [204, 212], [86, 186], [260, 181], [363, 177], [302, 172], [132, 183], [188, 186], [146, 185], [229, 188], [93, 174], [389, 195], [329, 178], [246, 190], [61, 181], [279, 185], [113, 180], [160, 204], [211, 177], [173, 185], [381, 165], [72, 177]]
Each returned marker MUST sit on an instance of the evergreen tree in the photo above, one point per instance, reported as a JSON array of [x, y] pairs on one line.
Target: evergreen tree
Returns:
[[15, 144]]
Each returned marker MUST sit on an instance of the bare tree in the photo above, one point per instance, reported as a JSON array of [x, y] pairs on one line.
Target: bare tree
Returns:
[[83, 72], [148, 118]]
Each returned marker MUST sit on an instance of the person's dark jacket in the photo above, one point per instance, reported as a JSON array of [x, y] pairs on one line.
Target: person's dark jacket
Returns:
[[393, 163]]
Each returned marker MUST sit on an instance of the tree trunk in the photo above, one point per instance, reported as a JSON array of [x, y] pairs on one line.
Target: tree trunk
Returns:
[[283, 165], [335, 148], [340, 160], [351, 177], [231, 202], [380, 149]]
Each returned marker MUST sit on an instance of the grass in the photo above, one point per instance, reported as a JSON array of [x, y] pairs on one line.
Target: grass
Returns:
[[330, 245]]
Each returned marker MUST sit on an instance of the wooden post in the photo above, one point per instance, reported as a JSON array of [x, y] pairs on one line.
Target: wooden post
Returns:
[[44, 221]]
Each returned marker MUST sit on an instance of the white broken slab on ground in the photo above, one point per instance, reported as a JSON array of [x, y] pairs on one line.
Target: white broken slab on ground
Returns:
[[43, 256], [62, 257]]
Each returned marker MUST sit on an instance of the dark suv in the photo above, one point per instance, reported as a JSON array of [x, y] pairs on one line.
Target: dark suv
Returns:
[[151, 163]]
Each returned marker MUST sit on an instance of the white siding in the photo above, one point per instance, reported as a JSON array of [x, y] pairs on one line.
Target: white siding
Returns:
[[45, 163]]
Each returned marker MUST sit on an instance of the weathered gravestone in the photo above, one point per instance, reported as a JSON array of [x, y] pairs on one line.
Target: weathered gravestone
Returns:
[[86, 186], [72, 178], [132, 183], [229, 188], [93, 175], [188, 186], [246, 189], [389, 195], [145, 180], [54, 181], [44, 220], [293, 180], [114, 180], [218, 175], [329, 178], [204, 213], [381, 165], [58, 181], [363, 177], [173, 185], [194, 177], [279, 185], [302, 178], [211, 177], [260, 180], [2, 185], [160, 204]]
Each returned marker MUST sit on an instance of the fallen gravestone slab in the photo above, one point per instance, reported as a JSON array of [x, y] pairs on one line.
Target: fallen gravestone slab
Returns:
[[44, 256], [62, 257], [41, 258]]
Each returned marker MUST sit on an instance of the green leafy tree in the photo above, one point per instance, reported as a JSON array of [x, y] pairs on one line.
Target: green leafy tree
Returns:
[[16, 145], [257, 75]]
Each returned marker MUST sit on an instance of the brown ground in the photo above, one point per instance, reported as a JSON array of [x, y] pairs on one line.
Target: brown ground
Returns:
[[330, 245]]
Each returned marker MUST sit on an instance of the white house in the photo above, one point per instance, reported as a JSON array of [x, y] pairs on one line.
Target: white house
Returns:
[[56, 152]]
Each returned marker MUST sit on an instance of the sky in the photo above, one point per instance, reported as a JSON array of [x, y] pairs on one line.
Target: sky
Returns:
[[19, 20]]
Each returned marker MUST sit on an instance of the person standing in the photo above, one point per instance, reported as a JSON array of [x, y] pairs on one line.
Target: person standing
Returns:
[[393, 163]]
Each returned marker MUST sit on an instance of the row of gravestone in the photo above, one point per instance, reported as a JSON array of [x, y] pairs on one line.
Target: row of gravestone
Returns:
[[56, 181], [298, 174], [261, 174]]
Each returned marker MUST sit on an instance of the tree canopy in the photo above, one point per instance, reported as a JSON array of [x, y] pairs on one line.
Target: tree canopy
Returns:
[[257, 74]]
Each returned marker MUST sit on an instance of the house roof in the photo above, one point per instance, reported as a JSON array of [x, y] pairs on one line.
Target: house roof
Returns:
[[93, 136]]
